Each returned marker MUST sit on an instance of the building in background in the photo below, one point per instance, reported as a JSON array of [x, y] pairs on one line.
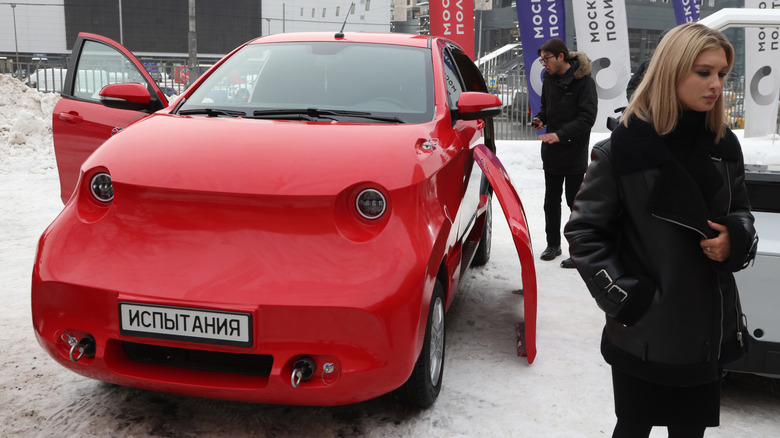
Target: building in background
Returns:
[[156, 27], [36, 36], [34, 26], [160, 27], [319, 15], [499, 49], [496, 24]]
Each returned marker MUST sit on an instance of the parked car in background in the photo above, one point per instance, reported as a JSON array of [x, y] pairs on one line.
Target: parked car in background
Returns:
[[292, 229], [181, 73], [519, 110], [154, 70], [757, 284], [48, 80], [169, 91]]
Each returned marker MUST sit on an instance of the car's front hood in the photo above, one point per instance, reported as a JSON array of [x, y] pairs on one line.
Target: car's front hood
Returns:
[[243, 156]]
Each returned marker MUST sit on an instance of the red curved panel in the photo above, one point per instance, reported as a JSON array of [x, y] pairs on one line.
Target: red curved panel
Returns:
[[515, 216]]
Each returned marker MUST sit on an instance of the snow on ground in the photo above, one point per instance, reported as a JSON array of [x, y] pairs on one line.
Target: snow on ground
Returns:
[[488, 391]]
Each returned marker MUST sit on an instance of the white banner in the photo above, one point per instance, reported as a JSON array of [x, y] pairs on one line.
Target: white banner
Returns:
[[602, 34], [762, 74]]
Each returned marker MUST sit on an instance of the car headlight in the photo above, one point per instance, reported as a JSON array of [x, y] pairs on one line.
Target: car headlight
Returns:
[[371, 204], [101, 187]]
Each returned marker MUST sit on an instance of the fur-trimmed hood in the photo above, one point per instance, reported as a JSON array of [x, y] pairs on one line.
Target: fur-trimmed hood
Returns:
[[580, 67], [582, 64]]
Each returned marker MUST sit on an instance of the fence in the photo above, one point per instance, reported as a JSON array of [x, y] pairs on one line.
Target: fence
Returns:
[[44, 74], [515, 120], [47, 74], [171, 74], [514, 123]]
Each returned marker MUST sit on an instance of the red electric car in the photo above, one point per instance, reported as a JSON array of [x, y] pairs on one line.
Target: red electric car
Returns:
[[290, 230]]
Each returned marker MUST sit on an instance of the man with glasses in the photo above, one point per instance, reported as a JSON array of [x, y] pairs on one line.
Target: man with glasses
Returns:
[[568, 111]]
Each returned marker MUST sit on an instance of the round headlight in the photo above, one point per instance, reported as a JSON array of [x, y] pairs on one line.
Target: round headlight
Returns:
[[371, 204], [101, 187]]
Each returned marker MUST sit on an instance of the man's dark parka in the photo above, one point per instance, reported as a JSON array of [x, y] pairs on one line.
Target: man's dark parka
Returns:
[[569, 106], [673, 315]]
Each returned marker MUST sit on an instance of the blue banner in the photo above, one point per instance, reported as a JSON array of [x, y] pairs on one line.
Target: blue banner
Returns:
[[686, 11], [539, 21]]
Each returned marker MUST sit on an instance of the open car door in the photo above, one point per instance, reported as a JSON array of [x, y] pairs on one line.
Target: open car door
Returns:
[[83, 119], [515, 216]]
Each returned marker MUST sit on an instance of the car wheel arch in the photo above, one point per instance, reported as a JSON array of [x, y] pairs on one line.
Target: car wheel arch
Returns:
[[422, 387], [436, 271]]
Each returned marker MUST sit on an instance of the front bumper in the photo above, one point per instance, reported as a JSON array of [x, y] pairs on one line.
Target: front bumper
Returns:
[[359, 353]]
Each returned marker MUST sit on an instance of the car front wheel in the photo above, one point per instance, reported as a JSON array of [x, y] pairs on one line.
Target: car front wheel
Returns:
[[424, 384]]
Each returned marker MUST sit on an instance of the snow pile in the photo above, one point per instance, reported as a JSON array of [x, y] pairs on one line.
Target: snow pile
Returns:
[[25, 128], [26, 124]]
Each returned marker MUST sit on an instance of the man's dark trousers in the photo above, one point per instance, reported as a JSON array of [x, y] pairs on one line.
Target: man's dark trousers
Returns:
[[553, 189]]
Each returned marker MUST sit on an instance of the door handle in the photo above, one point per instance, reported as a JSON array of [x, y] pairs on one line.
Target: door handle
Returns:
[[71, 117]]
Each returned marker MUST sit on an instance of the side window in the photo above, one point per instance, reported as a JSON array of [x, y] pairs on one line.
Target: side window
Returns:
[[100, 65], [452, 77], [472, 77]]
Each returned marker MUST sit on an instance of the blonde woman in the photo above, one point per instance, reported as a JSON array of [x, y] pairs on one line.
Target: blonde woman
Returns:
[[659, 225]]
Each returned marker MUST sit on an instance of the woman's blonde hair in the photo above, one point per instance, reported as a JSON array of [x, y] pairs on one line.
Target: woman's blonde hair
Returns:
[[655, 100]]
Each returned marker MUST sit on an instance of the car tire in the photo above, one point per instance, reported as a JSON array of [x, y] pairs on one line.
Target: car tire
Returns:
[[482, 254], [423, 386]]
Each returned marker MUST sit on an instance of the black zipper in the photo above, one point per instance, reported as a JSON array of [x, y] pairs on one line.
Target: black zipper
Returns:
[[680, 224]]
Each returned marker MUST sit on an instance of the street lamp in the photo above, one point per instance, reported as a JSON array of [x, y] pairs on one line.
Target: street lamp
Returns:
[[16, 41], [192, 46], [121, 35]]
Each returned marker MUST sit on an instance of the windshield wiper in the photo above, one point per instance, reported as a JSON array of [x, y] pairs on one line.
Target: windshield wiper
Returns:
[[370, 116], [323, 113], [297, 114], [213, 112]]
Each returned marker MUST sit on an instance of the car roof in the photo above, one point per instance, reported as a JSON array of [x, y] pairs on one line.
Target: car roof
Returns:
[[403, 39]]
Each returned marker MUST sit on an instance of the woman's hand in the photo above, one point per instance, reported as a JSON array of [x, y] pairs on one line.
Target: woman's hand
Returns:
[[718, 248]]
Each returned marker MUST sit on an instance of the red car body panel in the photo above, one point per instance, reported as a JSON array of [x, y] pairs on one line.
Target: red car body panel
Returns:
[[515, 216], [78, 131], [80, 127], [257, 218]]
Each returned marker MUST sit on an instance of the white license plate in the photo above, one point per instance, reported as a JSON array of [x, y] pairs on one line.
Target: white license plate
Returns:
[[186, 324]]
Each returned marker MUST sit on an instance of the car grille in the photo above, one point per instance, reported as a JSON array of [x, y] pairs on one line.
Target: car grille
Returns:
[[201, 360]]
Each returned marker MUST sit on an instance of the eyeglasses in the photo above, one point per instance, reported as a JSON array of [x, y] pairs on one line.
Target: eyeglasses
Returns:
[[545, 59]]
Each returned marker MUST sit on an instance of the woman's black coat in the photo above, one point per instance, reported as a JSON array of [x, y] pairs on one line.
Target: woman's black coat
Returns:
[[673, 315], [569, 104]]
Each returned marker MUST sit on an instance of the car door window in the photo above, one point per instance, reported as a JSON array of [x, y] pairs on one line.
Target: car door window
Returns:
[[453, 80], [469, 73], [101, 65]]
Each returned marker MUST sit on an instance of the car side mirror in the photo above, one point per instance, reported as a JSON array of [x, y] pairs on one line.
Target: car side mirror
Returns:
[[476, 105], [130, 96]]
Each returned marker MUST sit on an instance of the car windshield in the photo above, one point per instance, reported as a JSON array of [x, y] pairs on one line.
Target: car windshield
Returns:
[[342, 81]]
